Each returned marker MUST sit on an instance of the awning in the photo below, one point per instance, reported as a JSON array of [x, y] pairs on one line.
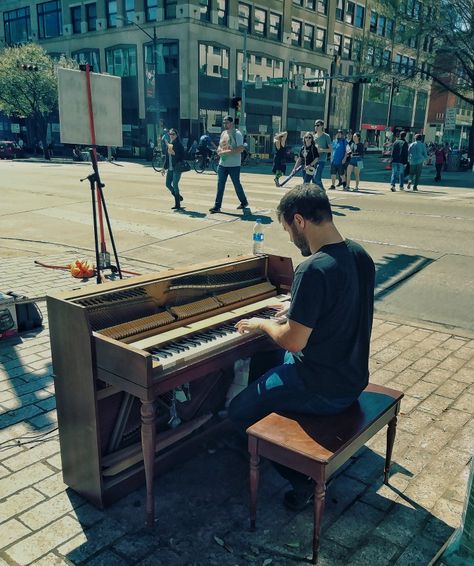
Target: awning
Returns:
[[373, 127]]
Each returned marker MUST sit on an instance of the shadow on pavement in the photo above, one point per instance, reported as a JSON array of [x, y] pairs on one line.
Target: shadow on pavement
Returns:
[[203, 518], [393, 269]]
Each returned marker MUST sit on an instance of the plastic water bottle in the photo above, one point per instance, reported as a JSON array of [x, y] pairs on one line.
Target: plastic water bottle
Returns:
[[257, 238]]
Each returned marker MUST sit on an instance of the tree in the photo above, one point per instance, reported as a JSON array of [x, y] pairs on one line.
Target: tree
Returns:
[[28, 85]]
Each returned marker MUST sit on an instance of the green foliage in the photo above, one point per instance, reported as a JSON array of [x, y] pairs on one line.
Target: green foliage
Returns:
[[29, 93]]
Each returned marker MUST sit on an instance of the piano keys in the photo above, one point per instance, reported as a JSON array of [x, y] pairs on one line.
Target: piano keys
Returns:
[[141, 367]]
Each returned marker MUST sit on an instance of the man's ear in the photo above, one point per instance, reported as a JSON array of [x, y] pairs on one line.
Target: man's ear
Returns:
[[299, 220]]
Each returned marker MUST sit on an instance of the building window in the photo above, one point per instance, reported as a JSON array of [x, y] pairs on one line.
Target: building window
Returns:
[[122, 61], [296, 32], [356, 49], [91, 16], [76, 19], [347, 48], [275, 27], [369, 58], [308, 39], [170, 9], [90, 56], [298, 2], [373, 21], [320, 39], [17, 25], [381, 25], [222, 12], [167, 58], [50, 19], [129, 11], [151, 10], [387, 59], [213, 61], [389, 29], [259, 66], [337, 43], [340, 10], [205, 7], [260, 22], [359, 16], [350, 13], [323, 6], [244, 17], [310, 4], [111, 13]]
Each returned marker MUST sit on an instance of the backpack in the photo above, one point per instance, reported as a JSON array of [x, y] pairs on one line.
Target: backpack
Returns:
[[28, 314]]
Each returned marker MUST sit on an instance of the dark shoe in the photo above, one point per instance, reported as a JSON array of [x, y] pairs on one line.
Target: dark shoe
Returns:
[[180, 198], [408, 185], [214, 209], [242, 206], [176, 207], [298, 499], [393, 189], [332, 188], [340, 183], [415, 189]]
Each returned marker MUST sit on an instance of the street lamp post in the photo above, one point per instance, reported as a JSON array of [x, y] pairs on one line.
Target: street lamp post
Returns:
[[332, 72], [243, 121], [394, 86], [154, 62]]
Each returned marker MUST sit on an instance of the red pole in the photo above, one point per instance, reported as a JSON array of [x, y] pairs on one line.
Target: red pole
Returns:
[[92, 130]]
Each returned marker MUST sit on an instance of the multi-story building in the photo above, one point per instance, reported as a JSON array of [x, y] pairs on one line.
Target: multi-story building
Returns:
[[181, 61]]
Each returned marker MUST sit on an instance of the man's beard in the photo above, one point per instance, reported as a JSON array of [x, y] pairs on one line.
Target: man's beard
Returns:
[[301, 243]]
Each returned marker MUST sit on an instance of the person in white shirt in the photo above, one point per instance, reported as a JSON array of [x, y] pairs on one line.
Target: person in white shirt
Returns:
[[231, 145]]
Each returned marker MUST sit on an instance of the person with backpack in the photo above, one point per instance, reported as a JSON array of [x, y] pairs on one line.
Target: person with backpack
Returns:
[[399, 156]]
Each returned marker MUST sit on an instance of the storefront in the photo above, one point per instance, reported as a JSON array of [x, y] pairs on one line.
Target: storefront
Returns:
[[374, 134]]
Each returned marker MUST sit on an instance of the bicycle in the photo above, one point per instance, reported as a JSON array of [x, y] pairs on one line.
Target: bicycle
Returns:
[[157, 161], [202, 162], [248, 159]]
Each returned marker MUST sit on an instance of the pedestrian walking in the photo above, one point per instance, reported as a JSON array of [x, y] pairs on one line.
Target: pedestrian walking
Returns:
[[279, 159], [231, 145], [355, 156], [440, 160], [416, 155], [323, 143], [399, 158], [308, 158], [338, 159], [174, 162]]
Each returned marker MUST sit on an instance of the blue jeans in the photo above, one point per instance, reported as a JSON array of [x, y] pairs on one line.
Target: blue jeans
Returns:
[[398, 173], [172, 182], [281, 389], [222, 174], [319, 171]]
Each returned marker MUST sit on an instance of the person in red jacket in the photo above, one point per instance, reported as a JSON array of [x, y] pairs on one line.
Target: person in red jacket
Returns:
[[440, 160]]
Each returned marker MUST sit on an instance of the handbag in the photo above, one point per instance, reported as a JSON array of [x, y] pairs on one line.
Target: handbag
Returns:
[[28, 314], [182, 167], [360, 164]]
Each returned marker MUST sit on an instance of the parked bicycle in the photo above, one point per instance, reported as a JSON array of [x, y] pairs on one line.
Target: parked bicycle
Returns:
[[249, 159], [158, 160], [203, 162]]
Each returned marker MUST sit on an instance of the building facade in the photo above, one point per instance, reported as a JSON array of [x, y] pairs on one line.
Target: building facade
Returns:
[[181, 61]]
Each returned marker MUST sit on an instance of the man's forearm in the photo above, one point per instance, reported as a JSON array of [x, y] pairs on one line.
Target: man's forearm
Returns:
[[278, 333]]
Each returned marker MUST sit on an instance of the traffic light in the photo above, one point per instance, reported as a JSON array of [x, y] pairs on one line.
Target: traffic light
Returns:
[[365, 80], [235, 102], [314, 83]]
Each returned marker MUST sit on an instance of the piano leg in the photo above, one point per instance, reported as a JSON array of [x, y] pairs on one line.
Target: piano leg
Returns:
[[148, 446]]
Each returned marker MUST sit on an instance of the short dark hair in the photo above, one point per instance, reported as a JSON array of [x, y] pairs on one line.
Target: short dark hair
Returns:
[[418, 137], [308, 200], [403, 135], [228, 119]]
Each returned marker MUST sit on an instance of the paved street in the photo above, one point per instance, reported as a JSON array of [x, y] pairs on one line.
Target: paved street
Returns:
[[423, 344]]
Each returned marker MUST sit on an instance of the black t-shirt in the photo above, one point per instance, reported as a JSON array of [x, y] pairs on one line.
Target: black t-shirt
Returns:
[[308, 154], [333, 293]]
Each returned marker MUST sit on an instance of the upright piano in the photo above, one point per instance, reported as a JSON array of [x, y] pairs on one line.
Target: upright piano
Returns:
[[141, 367]]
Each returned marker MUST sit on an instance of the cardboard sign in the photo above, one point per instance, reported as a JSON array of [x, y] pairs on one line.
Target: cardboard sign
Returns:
[[106, 93]]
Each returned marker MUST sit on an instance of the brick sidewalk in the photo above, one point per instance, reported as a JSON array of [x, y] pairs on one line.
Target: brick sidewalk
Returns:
[[202, 505]]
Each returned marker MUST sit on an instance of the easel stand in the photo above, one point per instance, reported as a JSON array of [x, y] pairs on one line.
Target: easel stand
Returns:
[[102, 256]]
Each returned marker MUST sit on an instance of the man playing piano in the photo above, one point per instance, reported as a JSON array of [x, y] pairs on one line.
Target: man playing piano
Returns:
[[324, 335]]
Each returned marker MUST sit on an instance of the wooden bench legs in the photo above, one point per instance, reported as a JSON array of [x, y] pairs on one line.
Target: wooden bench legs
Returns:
[[391, 431], [320, 484]]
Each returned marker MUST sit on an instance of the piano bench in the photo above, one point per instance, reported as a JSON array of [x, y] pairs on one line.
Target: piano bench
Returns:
[[318, 445]]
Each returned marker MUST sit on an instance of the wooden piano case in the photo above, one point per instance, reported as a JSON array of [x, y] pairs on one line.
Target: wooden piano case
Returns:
[[101, 377]]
